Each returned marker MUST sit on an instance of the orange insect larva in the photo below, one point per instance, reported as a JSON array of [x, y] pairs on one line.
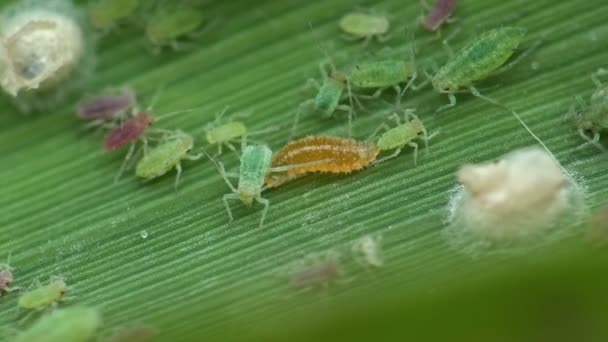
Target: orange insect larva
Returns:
[[342, 156]]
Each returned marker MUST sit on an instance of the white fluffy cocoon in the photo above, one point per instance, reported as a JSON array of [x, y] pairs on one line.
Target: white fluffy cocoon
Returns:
[[521, 195], [39, 48]]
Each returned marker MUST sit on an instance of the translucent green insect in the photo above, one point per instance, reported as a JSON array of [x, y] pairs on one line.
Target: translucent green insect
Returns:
[[481, 57], [396, 138], [224, 134], [171, 23], [255, 164], [166, 156], [359, 25], [593, 116], [74, 324], [105, 13], [44, 296], [381, 75], [333, 90]]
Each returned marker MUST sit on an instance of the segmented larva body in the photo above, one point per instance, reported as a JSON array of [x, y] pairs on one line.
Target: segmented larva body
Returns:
[[342, 155]]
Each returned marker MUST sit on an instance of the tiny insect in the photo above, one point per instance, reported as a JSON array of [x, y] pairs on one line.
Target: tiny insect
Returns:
[[255, 164], [384, 73], [171, 23], [107, 107], [104, 14], [320, 154], [7, 277], [367, 251], [133, 334], [439, 14], [480, 58], [401, 135], [593, 116], [44, 296], [166, 156], [74, 324], [224, 134], [359, 25], [318, 275], [329, 95]]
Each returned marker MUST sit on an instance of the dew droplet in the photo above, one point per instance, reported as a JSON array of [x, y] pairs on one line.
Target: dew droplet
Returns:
[[143, 234]]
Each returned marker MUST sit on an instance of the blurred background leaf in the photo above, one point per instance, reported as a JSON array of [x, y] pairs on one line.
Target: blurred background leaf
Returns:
[[197, 277]]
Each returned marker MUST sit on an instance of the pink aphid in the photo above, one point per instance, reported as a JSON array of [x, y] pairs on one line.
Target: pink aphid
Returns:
[[438, 14], [128, 132], [6, 278], [316, 275], [107, 107]]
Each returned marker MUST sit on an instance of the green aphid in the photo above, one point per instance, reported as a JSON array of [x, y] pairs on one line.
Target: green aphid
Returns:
[[171, 23], [105, 13], [480, 58], [224, 134], [396, 138], [381, 75], [329, 95], [44, 296], [365, 26], [74, 324], [255, 164], [166, 156], [593, 116]]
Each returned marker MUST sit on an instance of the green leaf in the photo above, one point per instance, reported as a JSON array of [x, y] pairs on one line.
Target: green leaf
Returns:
[[198, 277]]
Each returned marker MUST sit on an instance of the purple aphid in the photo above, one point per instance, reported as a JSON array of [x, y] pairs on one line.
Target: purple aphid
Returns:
[[107, 107], [316, 275], [438, 14]]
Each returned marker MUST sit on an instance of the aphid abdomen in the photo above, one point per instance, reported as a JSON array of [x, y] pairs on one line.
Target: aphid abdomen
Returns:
[[363, 25], [328, 97], [255, 161], [380, 74], [400, 135], [74, 324], [227, 132], [163, 158], [128, 132], [482, 56], [344, 155]]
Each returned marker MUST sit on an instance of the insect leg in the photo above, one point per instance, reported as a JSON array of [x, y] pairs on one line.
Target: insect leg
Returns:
[[383, 126], [178, 168], [124, 162], [476, 93], [415, 146], [220, 167], [452, 103], [349, 111], [296, 119], [231, 196], [265, 203], [592, 141], [391, 156]]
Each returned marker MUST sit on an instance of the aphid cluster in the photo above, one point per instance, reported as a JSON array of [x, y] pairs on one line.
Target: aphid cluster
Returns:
[[165, 23]]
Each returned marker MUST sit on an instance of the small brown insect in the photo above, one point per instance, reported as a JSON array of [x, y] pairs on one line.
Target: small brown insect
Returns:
[[342, 155]]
